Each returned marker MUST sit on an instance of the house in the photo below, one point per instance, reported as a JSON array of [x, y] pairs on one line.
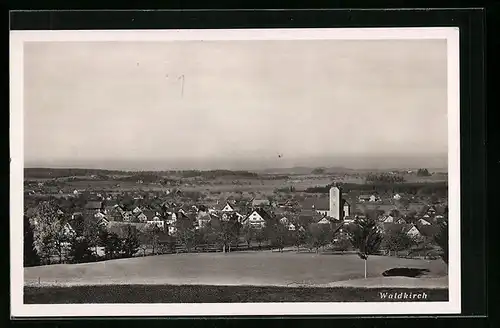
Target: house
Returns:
[[431, 211], [348, 219], [388, 219], [226, 216], [93, 206], [291, 227], [364, 198], [257, 218], [228, 208], [172, 230], [136, 210], [400, 221], [127, 216], [324, 220], [284, 221], [101, 218], [156, 221], [68, 230], [141, 217], [423, 222], [171, 218], [413, 231], [103, 222], [396, 197], [112, 209], [346, 207], [203, 218], [368, 198]]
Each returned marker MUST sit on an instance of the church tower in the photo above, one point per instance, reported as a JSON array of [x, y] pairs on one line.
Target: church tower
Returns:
[[336, 210]]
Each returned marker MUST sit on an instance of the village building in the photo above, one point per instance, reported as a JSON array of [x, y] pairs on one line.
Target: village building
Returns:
[[203, 218], [368, 198], [257, 218], [424, 222], [228, 208], [335, 207], [156, 221], [93, 206]]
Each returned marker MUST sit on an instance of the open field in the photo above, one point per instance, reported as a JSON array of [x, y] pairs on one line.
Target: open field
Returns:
[[263, 268], [212, 294]]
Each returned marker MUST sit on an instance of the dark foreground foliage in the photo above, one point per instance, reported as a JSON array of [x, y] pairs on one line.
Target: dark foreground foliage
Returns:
[[213, 294]]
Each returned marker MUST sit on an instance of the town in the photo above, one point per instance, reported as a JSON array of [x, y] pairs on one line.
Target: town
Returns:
[[78, 215]]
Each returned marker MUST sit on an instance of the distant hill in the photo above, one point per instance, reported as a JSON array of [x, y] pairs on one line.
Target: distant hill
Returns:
[[51, 173], [300, 170]]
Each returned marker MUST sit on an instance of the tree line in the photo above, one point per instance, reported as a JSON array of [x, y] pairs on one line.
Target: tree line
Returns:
[[48, 173], [384, 178], [412, 188]]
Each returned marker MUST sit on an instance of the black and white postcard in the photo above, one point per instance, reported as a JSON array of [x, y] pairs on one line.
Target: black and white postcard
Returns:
[[235, 172]]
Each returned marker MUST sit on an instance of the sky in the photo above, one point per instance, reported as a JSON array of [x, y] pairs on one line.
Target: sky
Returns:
[[234, 104]]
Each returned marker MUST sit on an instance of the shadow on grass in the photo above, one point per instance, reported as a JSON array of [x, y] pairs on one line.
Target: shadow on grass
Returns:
[[405, 272], [213, 294]]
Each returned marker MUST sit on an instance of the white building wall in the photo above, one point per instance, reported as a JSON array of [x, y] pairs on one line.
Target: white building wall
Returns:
[[336, 209]]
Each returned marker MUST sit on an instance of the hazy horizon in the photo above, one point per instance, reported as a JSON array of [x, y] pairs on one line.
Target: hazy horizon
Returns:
[[432, 161], [235, 104]]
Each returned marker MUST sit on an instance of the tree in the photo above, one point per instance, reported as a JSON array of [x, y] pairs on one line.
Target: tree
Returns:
[[318, 170], [80, 250], [91, 231], [319, 235], [441, 240], [342, 244], [46, 247], [225, 232], [396, 240], [144, 242], [154, 235], [423, 173], [277, 234], [259, 236], [60, 239], [248, 234], [298, 238], [149, 238], [45, 215], [31, 257], [185, 233], [365, 237], [111, 243], [130, 243]]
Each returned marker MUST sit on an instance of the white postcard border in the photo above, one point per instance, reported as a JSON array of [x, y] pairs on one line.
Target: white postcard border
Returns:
[[18, 309]]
